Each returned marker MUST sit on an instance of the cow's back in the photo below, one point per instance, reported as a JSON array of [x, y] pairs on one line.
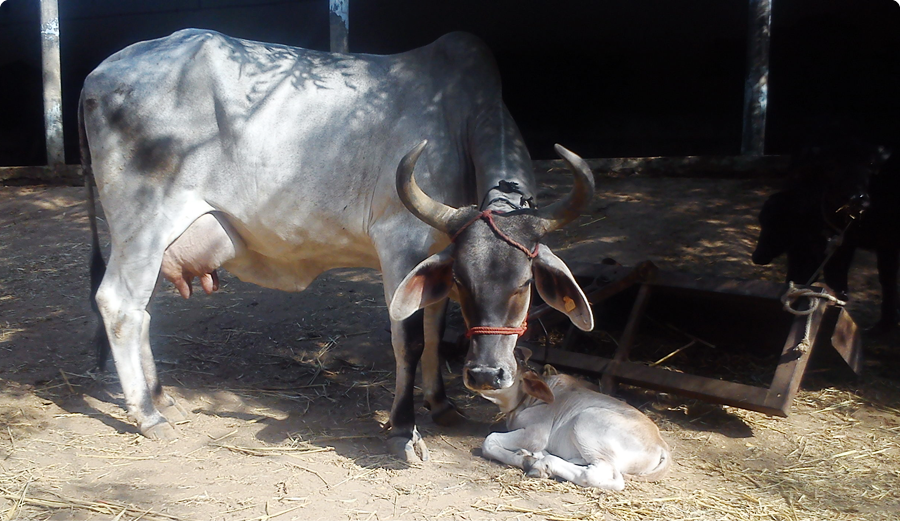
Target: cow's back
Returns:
[[273, 136]]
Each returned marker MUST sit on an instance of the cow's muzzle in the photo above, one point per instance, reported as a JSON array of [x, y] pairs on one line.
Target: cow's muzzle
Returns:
[[484, 378]]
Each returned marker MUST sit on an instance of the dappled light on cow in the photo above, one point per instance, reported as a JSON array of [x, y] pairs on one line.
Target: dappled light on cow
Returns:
[[494, 259]]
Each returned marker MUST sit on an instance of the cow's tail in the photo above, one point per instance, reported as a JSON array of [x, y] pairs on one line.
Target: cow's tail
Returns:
[[98, 265]]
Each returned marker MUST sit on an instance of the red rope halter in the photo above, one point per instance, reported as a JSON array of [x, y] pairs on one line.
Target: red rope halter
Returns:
[[489, 330], [488, 216]]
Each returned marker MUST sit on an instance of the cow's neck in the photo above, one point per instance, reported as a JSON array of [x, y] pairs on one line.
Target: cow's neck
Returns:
[[503, 168]]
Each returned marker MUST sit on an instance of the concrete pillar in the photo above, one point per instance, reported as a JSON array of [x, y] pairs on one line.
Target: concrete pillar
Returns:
[[756, 89], [52, 83], [339, 19]]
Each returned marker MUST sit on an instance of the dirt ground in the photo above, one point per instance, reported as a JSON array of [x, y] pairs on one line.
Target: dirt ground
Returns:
[[287, 392]]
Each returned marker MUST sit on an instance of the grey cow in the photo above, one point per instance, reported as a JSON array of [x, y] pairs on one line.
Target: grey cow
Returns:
[[279, 163]]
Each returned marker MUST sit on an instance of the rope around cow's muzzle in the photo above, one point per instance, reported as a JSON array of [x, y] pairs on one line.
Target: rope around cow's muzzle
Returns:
[[497, 330]]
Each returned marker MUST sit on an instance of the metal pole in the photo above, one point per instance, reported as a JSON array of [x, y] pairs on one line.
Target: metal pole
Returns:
[[756, 89], [52, 83], [339, 19]]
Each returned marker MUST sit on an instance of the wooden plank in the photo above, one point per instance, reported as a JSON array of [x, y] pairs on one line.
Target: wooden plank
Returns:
[[715, 167], [763, 289], [69, 175]]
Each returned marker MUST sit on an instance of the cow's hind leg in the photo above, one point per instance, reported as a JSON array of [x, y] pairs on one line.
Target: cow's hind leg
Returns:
[[405, 442], [164, 403], [122, 299], [599, 474]]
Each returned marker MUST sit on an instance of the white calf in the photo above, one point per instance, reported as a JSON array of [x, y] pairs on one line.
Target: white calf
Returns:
[[563, 427]]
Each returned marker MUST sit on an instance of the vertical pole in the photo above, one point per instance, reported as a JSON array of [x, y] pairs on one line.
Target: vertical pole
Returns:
[[52, 82], [756, 89], [339, 19]]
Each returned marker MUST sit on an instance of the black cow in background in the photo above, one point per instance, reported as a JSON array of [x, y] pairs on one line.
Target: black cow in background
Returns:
[[840, 197]]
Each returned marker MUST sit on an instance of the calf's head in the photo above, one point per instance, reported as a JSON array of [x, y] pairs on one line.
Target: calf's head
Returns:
[[526, 382], [493, 262]]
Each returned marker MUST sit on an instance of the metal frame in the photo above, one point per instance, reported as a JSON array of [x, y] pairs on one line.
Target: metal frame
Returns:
[[774, 400]]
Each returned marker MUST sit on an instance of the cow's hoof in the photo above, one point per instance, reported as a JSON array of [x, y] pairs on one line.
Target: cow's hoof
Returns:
[[535, 467], [163, 431], [447, 415], [408, 450]]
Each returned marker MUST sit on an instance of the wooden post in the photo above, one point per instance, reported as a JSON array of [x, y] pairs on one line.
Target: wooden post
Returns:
[[756, 89], [339, 20], [52, 83]]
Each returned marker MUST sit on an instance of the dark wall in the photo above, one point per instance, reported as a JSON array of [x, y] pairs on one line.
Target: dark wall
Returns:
[[605, 78]]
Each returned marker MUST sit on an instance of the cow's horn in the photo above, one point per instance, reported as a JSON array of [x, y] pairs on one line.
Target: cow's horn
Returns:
[[432, 212], [569, 207]]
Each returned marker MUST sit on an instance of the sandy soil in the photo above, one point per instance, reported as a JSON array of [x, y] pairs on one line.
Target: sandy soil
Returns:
[[287, 392]]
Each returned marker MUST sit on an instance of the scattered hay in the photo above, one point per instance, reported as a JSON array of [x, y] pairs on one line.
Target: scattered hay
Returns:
[[108, 508]]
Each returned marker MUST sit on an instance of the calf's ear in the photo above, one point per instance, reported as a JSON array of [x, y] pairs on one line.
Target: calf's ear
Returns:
[[427, 283], [535, 386], [556, 285]]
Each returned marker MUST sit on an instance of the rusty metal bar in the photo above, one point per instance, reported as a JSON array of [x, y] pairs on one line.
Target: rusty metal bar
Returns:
[[339, 22], [700, 387], [608, 382], [793, 360], [756, 88], [52, 83], [846, 339]]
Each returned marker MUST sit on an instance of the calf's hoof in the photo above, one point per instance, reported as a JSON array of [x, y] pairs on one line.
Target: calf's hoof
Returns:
[[408, 450], [536, 469], [163, 431]]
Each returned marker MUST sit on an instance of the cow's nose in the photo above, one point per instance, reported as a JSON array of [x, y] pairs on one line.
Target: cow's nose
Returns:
[[482, 378]]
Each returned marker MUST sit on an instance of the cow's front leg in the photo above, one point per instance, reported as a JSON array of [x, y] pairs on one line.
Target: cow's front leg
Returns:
[[443, 412], [405, 442], [519, 448]]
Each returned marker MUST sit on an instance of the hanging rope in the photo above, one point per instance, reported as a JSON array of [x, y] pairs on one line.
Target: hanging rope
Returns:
[[791, 295]]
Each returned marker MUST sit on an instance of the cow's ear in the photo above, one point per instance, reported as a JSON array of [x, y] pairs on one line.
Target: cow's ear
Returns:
[[427, 283], [535, 386], [556, 285]]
